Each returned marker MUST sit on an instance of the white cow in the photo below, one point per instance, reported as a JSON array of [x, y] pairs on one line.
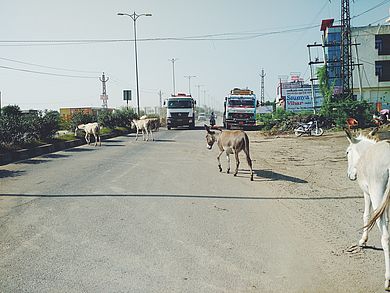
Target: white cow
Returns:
[[90, 128]]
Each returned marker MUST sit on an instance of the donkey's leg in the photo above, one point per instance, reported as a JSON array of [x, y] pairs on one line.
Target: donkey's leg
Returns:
[[87, 138], [376, 195], [385, 245], [136, 135], [366, 217], [95, 139], [228, 161], [151, 134], [237, 162], [219, 161], [249, 161]]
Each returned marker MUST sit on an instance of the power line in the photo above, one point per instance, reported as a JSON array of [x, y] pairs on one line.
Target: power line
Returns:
[[370, 9], [44, 66], [45, 73], [227, 36]]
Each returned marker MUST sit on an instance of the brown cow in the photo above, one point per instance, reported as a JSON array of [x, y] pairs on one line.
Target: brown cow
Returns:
[[231, 142]]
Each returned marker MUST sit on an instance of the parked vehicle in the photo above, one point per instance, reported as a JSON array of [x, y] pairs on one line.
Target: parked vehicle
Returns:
[[180, 111], [310, 128], [202, 117], [240, 108]]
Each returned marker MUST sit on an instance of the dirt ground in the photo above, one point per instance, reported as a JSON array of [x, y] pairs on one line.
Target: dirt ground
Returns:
[[312, 173]]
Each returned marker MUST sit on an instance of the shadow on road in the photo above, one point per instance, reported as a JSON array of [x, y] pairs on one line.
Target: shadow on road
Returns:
[[222, 197], [112, 140], [165, 140], [369, 247], [7, 173], [54, 156], [267, 175], [113, 145], [273, 176], [80, 150], [32, 161]]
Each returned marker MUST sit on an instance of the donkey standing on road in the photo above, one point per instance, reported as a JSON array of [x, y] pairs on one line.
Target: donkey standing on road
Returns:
[[369, 163], [231, 142], [90, 128]]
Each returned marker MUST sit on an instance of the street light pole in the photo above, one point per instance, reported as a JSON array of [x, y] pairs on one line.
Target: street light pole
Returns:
[[173, 74], [189, 82], [134, 17]]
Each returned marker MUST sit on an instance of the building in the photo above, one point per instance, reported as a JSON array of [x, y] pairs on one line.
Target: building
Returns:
[[372, 78], [371, 56], [331, 42], [67, 113]]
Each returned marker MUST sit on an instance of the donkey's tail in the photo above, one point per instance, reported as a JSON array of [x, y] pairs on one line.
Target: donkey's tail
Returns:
[[383, 207]]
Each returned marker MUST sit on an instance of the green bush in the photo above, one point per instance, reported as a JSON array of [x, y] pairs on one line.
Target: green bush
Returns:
[[119, 118], [49, 124], [80, 118]]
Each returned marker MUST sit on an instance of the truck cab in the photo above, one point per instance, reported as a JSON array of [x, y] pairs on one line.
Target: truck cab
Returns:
[[180, 111], [240, 108]]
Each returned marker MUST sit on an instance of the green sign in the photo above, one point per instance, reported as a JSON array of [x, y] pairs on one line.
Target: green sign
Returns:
[[127, 95]]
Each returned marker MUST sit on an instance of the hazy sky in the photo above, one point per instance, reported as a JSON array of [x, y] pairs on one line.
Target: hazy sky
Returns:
[[233, 41]]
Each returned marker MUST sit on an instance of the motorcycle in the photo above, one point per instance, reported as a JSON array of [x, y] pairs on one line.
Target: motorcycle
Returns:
[[212, 121], [310, 128]]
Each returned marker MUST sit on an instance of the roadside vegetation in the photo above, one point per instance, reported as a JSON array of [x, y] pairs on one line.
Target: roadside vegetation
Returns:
[[19, 130]]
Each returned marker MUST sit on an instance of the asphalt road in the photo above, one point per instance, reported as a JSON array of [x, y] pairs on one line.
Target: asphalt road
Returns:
[[134, 216]]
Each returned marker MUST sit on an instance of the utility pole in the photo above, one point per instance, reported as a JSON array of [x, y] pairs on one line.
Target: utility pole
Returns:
[[204, 98], [189, 82], [104, 96], [262, 75], [313, 75], [160, 93], [198, 86], [346, 54], [173, 74]]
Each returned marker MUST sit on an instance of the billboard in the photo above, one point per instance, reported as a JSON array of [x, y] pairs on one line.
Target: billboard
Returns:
[[300, 100]]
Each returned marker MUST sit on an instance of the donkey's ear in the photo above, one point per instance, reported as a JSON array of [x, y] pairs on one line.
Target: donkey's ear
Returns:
[[374, 131], [350, 138], [208, 129]]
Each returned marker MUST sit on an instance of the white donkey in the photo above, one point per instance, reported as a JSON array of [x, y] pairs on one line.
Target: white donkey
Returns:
[[90, 128], [143, 125], [369, 163]]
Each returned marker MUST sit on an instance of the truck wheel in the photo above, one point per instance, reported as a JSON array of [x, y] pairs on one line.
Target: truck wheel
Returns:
[[192, 125], [168, 127]]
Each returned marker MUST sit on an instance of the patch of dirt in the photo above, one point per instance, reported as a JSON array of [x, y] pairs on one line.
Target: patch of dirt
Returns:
[[311, 173]]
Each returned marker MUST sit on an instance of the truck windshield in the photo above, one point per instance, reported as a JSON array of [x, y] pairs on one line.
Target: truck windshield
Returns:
[[241, 102], [179, 104]]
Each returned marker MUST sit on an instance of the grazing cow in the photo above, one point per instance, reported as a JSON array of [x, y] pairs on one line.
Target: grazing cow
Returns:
[[143, 125], [352, 123], [369, 163], [231, 142], [90, 128]]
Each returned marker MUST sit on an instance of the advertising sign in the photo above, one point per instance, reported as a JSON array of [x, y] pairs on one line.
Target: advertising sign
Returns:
[[300, 100]]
